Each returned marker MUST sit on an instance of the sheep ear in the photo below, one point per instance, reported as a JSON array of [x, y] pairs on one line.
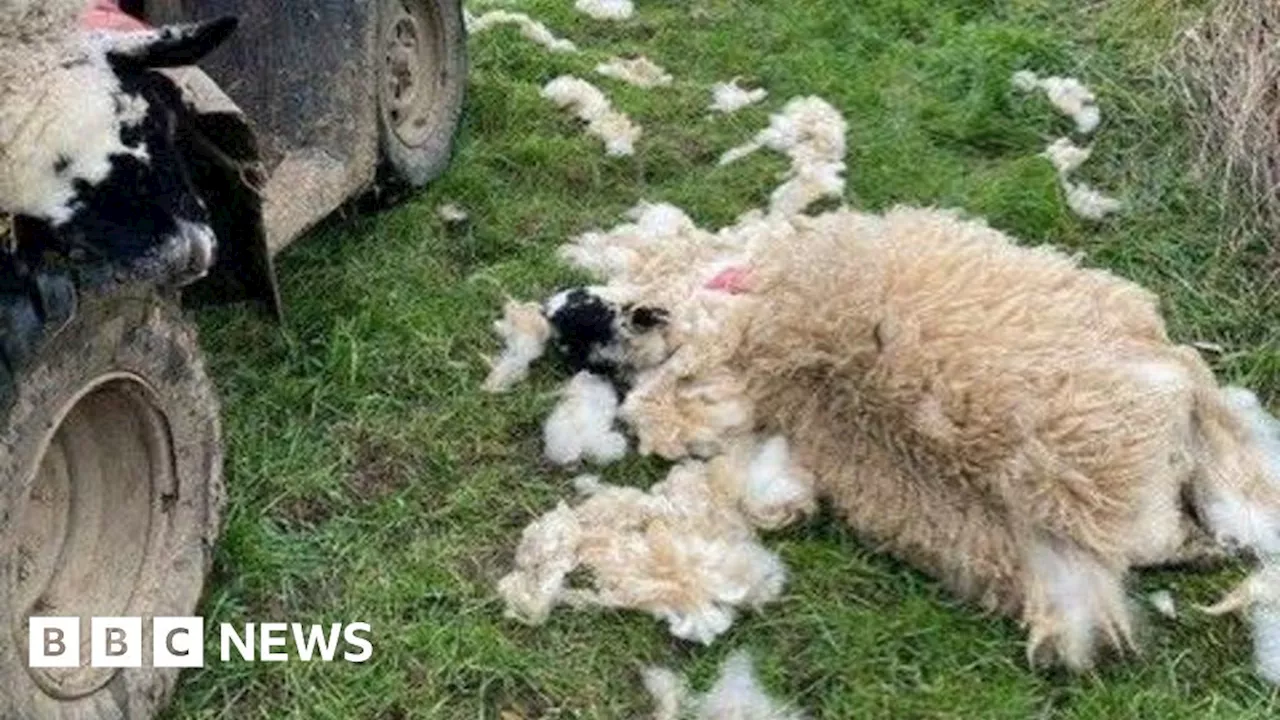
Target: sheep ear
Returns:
[[172, 45]]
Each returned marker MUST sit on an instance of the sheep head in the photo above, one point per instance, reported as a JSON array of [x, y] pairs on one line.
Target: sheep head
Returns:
[[93, 148]]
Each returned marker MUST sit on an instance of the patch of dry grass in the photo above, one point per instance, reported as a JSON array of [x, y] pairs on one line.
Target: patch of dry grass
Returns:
[[1229, 65]]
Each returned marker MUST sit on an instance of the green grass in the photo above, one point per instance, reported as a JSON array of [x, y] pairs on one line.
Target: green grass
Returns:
[[370, 480]]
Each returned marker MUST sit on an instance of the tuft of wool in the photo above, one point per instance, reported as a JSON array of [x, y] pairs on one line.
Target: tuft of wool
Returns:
[[545, 556], [730, 97], [1162, 601], [606, 9], [640, 71], [736, 695], [452, 213], [1066, 156], [581, 425], [1259, 594], [524, 332], [778, 491], [1070, 96], [669, 691], [1089, 203], [531, 29], [812, 133], [680, 551], [1083, 200], [590, 105]]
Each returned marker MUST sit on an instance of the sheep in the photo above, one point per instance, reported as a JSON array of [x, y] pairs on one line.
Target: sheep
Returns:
[[87, 141], [1018, 426]]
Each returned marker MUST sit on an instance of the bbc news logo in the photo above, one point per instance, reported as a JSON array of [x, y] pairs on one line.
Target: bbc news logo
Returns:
[[178, 642]]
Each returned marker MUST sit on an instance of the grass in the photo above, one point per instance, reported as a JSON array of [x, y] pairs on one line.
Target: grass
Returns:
[[370, 480]]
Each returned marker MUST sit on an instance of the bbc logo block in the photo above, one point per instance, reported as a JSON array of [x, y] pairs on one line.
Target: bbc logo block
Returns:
[[53, 642], [115, 642], [179, 642]]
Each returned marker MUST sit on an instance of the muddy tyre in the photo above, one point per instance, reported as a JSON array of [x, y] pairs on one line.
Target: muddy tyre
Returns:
[[110, 497], [421, 75]]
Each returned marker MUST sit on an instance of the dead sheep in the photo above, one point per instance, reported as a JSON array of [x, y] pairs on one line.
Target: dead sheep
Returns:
[[86, 141], [1018, 426]]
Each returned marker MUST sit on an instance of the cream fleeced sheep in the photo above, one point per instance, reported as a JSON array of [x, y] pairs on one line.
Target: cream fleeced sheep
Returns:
[[592, 107], [1018, 426]]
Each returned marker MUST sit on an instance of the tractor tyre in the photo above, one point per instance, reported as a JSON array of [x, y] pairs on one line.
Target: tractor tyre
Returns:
[[422, 76], [110, 493]]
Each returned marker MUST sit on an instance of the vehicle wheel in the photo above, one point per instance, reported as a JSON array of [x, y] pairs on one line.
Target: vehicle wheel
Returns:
[[110, 496], [422, 75]]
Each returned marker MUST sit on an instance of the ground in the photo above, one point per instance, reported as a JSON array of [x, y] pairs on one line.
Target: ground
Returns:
[[371, 480]]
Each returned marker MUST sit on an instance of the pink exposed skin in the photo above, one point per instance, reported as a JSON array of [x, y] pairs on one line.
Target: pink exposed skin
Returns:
[[733, 280]]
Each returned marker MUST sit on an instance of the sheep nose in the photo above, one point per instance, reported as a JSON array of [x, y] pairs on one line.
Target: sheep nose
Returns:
[[193, 246]]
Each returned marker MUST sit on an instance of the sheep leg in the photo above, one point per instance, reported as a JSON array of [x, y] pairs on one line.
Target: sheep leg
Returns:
[[1075, 601], [1236, 487]]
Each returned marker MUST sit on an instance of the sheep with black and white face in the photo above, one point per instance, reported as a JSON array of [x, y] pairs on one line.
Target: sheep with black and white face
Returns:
[[90, 140]]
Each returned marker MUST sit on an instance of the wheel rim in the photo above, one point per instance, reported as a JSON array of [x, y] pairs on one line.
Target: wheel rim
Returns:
[[411, 75], [84, 534]]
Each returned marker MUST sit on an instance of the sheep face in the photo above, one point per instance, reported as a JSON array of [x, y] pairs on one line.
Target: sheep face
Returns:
[[599, 334], [105, 170]]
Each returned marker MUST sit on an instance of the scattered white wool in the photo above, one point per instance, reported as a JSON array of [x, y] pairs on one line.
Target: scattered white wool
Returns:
[[1089, 203], [590, 105], [777, 491], [1071, 97], [680, 551], [581, 425], [640, 71], [1162, 601], [1260, 595], [452, 213], [1025, 80], [614, 253], [531, 29], [1264, 428], [736, 695], [812, 133], [669, 691], [606, 9], [545, 556], [524, 332], [1066, 156], [730, 97]]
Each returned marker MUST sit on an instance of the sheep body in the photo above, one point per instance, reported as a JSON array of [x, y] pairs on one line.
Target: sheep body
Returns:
[[1014, 424]]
